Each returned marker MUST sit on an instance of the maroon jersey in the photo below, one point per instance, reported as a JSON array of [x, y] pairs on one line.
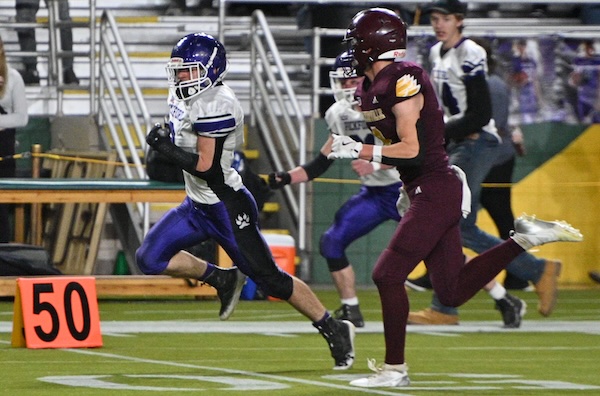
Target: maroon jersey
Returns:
[[395, 83]]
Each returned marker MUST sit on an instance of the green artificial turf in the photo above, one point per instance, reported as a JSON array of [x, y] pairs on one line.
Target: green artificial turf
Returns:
[[544, 362]]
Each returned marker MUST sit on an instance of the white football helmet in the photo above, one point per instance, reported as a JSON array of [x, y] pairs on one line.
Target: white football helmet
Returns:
[[343, 78]]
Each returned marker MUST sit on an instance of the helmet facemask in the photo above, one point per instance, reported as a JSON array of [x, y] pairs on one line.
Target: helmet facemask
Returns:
[[343, 78], [203, 59], [198, 81]]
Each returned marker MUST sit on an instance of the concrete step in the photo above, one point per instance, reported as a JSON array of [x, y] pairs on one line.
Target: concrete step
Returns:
[[148, 40]]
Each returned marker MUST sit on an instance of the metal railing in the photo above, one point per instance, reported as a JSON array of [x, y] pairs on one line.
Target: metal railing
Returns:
[[276, 113], [121, 108], [120, 96], [54, 54]]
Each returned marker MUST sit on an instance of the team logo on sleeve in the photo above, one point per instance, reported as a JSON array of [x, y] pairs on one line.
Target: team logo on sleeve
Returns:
[[407, 86]]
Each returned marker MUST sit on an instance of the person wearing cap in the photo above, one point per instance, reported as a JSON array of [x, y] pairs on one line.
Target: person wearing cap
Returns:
[[459, 74]]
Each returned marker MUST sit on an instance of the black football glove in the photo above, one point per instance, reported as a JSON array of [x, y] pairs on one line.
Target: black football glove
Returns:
[[279, 179], [157, 135]]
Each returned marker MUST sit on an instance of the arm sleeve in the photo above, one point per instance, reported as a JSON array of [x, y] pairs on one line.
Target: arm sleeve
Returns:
[[317, 166], [479, 109], [183, 159]]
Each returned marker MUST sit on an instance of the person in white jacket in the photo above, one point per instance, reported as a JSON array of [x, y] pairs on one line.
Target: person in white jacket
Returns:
[[13, 114]]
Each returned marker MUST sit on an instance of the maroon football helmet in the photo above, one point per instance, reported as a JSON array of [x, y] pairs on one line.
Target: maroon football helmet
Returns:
[[376, 34]]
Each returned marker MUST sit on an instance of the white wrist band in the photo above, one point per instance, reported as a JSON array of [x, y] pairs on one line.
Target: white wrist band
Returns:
[[377, 153], [376, 166]]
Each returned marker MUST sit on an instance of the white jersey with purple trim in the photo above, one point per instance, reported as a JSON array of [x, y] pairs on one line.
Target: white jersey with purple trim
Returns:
[[449, 72], [216, 113], [343, 120]]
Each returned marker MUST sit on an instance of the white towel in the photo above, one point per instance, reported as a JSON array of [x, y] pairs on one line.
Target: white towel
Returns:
[[403, 202], [466, 193]]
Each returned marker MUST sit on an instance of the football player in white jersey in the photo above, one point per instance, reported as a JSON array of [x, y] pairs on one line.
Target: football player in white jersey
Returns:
[[373, 204], [459, 73], [206, 120]]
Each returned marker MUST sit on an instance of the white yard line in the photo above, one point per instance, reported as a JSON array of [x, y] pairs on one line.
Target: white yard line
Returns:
[[236, 372], [297, 327]]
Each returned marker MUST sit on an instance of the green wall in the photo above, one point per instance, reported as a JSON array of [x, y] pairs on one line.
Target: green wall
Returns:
[[37, 131]]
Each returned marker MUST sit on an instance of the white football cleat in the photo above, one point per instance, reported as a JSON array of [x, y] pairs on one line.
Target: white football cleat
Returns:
[[530, 231], [386, 376]]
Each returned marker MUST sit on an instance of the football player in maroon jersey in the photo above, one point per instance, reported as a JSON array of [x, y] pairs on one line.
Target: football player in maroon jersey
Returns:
[[400, 106]]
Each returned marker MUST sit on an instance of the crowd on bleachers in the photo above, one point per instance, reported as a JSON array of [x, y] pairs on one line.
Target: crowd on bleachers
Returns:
[[587, 13]]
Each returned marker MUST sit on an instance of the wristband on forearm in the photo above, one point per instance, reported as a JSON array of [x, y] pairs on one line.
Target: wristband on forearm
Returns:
[[377, 153]]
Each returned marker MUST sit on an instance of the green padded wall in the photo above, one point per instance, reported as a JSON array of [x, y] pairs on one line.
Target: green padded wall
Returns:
[[37, 131]]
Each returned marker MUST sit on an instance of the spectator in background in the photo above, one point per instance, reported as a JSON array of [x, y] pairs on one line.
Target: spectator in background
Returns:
[[459, 69], [525, 74], [13, 114], [585, 78], [26, 12], [497, 199], [459, 74]]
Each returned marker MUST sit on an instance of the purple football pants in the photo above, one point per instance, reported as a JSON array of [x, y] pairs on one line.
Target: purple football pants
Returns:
[[232, 223]]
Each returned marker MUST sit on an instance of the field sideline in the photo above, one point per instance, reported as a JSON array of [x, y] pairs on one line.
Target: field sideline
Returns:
[[178, 346]]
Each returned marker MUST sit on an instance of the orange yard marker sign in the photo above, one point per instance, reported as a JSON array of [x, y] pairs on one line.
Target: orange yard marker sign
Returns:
[[56, 312]]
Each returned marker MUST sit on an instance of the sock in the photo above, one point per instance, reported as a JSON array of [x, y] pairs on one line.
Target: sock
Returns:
[[498, 292], [210, 268], [321, 322], [350, 301], [403, 367]]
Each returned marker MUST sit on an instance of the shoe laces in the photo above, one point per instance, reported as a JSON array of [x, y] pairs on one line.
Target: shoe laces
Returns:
[[380, 368], [373, 366]]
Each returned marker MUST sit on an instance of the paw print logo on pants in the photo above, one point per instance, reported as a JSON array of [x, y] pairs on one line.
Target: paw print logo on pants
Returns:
[[242, 221]]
